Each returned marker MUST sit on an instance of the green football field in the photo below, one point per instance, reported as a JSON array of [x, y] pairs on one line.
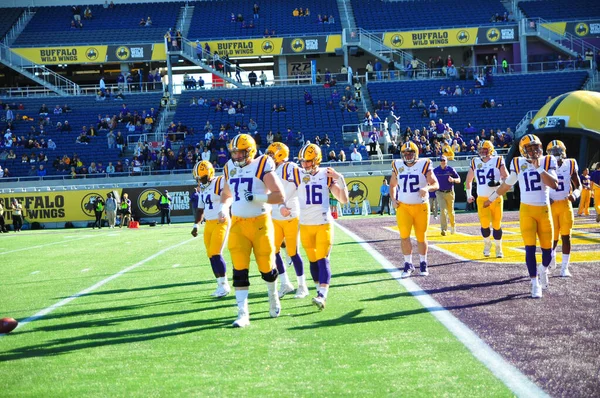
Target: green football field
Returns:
[[129, 313]]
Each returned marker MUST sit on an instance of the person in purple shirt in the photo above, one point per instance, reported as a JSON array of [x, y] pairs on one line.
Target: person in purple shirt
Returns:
[[595, 182], [222, 157], [447, 177]]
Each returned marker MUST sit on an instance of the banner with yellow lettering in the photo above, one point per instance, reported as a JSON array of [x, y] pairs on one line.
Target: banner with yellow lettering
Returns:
[[451, 37]]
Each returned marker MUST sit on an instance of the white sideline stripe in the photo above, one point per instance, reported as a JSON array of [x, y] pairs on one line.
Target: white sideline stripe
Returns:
[[35, 272], [62, 242], [175, 265], [85, 270], [90, 289], [516, 381]]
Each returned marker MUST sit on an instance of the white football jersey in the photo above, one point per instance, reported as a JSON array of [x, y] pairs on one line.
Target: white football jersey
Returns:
[[533, 191], [313, 195], [248, 179], [564, 173], [411, 180], [485, 172], [210, 198], [289, 173]]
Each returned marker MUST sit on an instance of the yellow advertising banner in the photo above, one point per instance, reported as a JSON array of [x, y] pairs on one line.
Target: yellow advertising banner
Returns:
[[333, 42], [364, 188], [247, 48], [431, 38], [63, 55], [56, 206], [158, 52]]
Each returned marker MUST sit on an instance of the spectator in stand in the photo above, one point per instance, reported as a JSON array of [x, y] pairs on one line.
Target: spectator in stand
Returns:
[[433, 108], [308, 100], [355, 156]]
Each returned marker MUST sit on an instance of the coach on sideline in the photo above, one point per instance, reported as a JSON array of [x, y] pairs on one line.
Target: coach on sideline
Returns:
[[446, 177]]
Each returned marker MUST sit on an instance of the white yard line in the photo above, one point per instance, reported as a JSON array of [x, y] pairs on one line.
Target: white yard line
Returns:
[[90, 289], [516, 381]]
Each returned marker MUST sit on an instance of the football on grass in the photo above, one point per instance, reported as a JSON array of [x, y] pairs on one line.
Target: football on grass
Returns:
[[7, 325]]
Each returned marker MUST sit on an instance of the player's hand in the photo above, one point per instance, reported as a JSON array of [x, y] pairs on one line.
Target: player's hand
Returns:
[[571, 198], [222, 217], [331, 173], [195, 232], [395, 203], [450, 179], [471, 199], [285, 211], [249, 196], [487, 204], [423, 192]]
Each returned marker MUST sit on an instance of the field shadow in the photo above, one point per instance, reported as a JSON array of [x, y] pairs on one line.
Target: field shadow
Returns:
[[145, 288]]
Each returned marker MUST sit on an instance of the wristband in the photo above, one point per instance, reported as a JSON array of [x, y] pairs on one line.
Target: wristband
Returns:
[[468, 194], [261, 197], [540, 170], [576, 193], [493, 196], [195, 226]]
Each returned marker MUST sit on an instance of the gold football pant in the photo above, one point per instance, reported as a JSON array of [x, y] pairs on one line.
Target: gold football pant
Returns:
[[252, 234], [491, 214], [409, 216], [536, 222], [214, 237], [584, 202], [317, 240], [562, 217], [287, 229]]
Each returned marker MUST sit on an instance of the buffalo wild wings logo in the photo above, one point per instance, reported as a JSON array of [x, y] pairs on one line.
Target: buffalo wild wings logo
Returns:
[[357, 192], [397, 41], [88, 203], [148, 202], [582, 29], [463, 36], [297, 45], [267, 46], [493, 34]]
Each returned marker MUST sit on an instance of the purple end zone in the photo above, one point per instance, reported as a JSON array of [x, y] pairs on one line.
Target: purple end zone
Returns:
[[555, 341]]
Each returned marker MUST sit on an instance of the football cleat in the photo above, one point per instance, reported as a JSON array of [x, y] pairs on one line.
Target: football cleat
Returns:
[[222, 291], [301, 292], [242, 320], [543, 276], [536, 289], [408, 270], [487, 248], [452, 230], [565, 273], [423, 269], [443, 232], [274, 305], [285, 289], [499, 253], [319, 302]]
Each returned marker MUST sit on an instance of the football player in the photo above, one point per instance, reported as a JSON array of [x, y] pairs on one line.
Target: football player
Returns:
[[595, 181], [316, 221], [412, 180], [490, 170], [561, 200], [287, 227], [586, 193], [536, 175], [214, 232], [250, 187]]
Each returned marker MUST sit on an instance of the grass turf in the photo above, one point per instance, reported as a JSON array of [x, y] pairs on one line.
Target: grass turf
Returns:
[[155, 330]]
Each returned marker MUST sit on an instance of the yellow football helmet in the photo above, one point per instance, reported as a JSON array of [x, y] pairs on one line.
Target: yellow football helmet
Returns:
[[410, 152], [557, 149], [310, 153], [530, 141], [279, 152], [485, 149], [203, 172], [243, 149]]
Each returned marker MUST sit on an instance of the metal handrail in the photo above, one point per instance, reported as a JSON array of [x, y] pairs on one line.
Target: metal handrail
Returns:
[[38, 73]]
